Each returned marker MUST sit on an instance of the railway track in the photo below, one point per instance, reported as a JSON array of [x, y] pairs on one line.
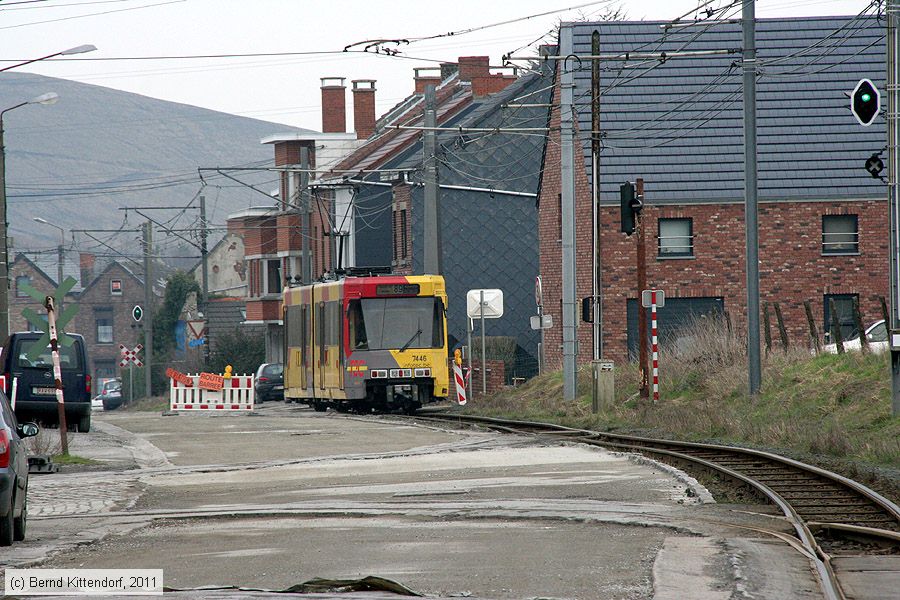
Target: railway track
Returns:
[[830, 514]]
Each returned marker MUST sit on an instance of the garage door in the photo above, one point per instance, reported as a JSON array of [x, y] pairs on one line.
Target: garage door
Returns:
[[675, 320]]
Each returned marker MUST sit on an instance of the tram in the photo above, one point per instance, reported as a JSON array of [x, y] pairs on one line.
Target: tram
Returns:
[[373, 343]]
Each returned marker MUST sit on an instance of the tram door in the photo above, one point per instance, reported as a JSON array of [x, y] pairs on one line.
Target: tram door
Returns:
[[321, 326], [305, 372]]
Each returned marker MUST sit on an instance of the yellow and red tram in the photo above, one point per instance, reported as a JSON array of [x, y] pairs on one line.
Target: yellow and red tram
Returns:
[[371, 343]]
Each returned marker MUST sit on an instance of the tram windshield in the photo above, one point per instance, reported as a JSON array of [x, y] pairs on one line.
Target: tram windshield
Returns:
[[396, 323]]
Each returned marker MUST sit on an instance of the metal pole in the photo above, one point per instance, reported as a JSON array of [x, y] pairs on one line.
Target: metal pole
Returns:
[[567, 206], [204, 255], [540, 311], [4, 250], [483, 359], [893, 173], [595, 195], [641, 286], [305, 258], [148, 308], [751, 215], [432, 262], [469, 327]]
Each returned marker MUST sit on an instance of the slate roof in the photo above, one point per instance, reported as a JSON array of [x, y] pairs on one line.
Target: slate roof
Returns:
[[679, 124]]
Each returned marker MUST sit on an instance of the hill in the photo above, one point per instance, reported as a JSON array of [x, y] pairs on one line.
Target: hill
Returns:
[[75, 163]]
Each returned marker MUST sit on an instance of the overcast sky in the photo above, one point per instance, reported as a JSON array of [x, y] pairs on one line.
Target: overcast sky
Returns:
[[285, 89]]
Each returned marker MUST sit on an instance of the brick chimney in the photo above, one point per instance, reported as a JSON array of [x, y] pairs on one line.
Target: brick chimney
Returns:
[[334, 105], [473, 66], [492, 83], [86, 262], [425, 76], [364, 107]]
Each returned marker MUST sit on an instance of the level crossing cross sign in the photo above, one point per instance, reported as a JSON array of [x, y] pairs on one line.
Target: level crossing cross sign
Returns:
[[130, 356]]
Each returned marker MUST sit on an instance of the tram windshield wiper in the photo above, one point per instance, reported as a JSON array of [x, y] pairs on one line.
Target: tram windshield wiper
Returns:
[[414, 336]]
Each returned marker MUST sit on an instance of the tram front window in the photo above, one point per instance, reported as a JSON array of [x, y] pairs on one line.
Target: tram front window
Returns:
[[394, 323]]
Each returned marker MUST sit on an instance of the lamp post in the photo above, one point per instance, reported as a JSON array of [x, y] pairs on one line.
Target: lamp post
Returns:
[[76, 50], [60, 250], [48, 98]]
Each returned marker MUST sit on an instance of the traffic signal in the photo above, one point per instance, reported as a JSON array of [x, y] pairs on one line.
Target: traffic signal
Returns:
[[630, 205], [865, 102], [587, 309]]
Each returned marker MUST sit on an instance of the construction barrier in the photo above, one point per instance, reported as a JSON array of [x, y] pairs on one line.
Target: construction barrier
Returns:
[[236, 394]]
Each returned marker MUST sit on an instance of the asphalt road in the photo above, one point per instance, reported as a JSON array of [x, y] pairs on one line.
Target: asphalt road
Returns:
[[277, 499]]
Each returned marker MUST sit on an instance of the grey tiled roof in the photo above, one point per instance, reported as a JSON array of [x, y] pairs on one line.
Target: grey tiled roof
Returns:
[[679, 124]]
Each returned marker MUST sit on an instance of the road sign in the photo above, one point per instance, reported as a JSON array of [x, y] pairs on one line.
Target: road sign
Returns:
[[542, 322], [196, 328], [493, 304], [137, 313], [538, 291], [130, 356], [660, 298], [40, 321]]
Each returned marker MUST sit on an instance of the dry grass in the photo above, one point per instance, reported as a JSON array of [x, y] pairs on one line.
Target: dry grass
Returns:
[[837, 407]]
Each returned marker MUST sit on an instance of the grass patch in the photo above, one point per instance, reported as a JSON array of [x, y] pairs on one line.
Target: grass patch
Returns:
[[71, 459], [833, 410]]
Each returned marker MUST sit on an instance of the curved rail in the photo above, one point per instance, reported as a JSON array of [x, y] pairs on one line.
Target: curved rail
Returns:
[[811, 498]]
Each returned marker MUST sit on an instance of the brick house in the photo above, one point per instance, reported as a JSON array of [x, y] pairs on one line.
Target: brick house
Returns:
[[104, 317], [488, 188], [677, 124], [27, 270]]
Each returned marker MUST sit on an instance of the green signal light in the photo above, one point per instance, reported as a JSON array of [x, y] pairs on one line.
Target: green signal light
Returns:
[[866, 97]]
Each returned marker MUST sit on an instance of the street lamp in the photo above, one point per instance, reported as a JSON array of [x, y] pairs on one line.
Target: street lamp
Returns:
[[48, 98], [59, 249], [76, 50]]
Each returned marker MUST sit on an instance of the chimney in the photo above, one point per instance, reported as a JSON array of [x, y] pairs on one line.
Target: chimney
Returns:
[[473, 66], [493, 82], [448, 69], [86, 262], [364, 107], [334, 105], [426, 76]]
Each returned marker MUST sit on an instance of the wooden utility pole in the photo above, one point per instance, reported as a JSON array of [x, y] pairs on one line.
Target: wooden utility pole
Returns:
[[641, 286], [148, 308]]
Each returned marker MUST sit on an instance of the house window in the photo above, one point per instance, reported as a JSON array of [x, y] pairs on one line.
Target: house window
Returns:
[[840, 234], [115, 287], [20, 280], [103, 318], [273, 276], [843, 307], [676, 238]]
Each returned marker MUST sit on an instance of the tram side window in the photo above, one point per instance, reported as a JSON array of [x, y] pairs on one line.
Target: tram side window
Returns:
[[358, 340], [437, 328]]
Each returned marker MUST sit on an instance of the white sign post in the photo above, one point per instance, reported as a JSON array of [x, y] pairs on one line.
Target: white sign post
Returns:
[[484, 304]]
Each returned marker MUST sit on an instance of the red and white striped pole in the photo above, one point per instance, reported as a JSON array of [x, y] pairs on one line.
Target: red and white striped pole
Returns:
[[655, 344]]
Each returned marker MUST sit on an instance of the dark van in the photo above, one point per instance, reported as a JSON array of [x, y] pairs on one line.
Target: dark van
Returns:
[[35, 396]]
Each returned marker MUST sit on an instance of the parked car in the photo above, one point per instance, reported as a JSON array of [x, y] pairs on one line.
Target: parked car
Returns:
[[876, 335], [35, 392], [269, 384], [13, 474], [110, 395]]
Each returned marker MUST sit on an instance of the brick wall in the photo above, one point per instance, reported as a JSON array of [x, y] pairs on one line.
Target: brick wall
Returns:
[[549, 235], [792, 266], [17, 303], [496, 376]]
